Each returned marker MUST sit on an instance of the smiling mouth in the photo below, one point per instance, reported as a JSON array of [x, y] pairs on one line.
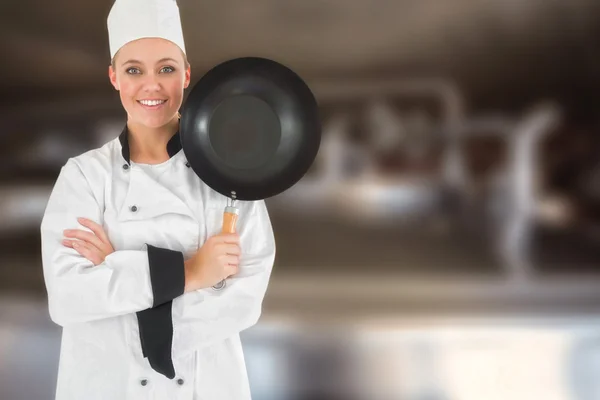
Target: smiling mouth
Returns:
[[152, 103]]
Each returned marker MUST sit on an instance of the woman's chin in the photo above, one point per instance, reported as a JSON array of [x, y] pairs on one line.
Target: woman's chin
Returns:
[[156, 121]]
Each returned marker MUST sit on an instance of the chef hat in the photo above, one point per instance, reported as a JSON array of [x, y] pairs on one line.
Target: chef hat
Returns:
[[130, 20]]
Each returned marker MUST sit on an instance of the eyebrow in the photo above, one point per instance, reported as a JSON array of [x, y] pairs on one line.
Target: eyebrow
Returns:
[[162, 60]]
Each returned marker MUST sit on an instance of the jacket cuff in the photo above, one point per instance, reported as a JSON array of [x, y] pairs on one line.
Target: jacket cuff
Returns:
[[167, 274], [156, 336]]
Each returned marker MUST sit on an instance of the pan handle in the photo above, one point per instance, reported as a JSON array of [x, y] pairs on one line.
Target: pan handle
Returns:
[[230, 217]]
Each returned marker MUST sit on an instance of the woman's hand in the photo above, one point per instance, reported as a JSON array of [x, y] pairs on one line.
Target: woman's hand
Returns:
[[93, 246], [216, 260]]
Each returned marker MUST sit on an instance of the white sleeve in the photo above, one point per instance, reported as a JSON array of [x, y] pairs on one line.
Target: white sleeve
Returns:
[[77, 290], [207, 316]]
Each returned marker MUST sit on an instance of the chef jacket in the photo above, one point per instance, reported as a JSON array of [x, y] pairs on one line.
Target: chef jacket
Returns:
[[129, 331]]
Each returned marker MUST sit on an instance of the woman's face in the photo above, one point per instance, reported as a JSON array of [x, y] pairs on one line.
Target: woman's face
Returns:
[[150, 75]]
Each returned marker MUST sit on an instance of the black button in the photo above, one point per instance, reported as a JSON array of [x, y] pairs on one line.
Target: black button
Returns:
[[187, 164], [144, 382], [133, 208], [180, 381], [125, 166]]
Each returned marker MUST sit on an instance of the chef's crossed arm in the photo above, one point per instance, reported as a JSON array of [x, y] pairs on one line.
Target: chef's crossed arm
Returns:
[[206, 316], [78, 290]]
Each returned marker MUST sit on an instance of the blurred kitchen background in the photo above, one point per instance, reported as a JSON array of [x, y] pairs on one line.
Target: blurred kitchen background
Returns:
[[446, 244]]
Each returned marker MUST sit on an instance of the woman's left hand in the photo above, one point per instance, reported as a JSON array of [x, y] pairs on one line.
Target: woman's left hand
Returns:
[[93, 246]]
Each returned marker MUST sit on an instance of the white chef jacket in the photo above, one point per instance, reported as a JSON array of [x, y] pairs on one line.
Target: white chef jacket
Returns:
[[129, 332]]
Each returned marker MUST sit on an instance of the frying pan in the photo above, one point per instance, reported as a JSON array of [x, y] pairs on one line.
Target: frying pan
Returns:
[[250, 129]]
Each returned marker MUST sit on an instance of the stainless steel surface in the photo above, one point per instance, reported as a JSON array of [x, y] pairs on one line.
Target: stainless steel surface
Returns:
[[459, 357]]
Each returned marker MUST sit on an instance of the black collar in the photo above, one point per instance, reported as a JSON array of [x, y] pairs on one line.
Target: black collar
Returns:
[[173, 146]]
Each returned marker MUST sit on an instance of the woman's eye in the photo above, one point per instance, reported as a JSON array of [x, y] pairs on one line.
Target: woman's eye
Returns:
[[167, 69], [133, 70]]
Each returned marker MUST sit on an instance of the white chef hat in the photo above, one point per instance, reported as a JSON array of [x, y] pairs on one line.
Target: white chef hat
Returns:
[[130, 20]]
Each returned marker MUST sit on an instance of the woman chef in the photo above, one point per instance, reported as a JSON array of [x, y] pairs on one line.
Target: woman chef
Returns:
[[131, 249]]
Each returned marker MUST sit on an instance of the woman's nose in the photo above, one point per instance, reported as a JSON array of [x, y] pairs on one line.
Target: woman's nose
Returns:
[[151, 82]]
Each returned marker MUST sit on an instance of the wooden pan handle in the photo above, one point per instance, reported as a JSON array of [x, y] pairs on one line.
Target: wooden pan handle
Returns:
[[230, 217]]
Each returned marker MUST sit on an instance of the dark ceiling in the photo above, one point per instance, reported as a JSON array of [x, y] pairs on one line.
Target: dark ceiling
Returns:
[[500, 53]]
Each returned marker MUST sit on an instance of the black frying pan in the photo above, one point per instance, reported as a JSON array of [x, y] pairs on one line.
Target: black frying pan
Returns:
[[250, 129]]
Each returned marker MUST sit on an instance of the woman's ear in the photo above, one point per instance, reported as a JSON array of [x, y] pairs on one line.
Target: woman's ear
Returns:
[[112, 75], [188, 74]]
